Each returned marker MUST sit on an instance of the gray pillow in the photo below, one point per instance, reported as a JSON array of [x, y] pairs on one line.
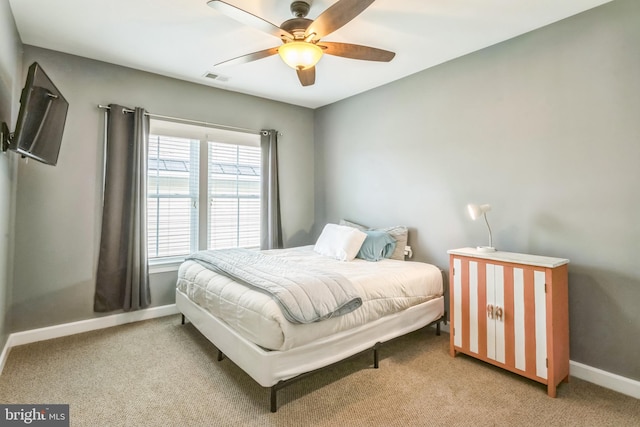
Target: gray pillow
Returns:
[[398, 232], [377, 245]]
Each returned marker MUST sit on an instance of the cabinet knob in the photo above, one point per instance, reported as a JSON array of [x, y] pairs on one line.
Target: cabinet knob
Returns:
[[499, 313], [490, 311]]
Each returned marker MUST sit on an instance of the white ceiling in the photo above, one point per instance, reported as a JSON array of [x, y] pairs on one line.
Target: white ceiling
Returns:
[[185, 38]]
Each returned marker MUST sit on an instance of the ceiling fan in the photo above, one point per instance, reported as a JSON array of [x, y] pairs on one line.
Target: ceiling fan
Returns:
[[301, 47]]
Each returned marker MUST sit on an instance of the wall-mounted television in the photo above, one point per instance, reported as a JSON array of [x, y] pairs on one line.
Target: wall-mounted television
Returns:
[[41, 119]]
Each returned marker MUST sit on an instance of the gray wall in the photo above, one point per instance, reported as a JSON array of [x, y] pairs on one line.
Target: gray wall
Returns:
[[58, 209], [545, 128], [10, 83]]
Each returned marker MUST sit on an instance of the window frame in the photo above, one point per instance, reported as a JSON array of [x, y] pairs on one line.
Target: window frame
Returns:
[[203, 134]]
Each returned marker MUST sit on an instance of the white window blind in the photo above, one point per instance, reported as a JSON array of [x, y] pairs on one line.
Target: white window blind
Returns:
[[190, 165], [234, 196], [172, 196]]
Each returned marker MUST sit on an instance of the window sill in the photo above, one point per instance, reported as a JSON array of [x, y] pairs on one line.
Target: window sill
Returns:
[[165, 265]]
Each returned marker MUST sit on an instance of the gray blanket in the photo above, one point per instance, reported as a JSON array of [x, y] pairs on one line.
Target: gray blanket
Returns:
[[305, 295]]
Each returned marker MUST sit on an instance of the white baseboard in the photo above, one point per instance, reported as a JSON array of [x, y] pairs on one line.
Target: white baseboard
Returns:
[[605, 379], [57, 331]]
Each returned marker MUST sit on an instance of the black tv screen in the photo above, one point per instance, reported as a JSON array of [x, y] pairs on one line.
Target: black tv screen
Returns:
[[43, 112]]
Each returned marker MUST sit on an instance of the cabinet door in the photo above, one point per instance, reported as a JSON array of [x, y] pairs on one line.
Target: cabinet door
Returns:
[[517, 331], [540, 313], [474, 332], [495, 312], [478, 293]]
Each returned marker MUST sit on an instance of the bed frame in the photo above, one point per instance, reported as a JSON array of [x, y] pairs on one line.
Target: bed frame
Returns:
[[278, 369]]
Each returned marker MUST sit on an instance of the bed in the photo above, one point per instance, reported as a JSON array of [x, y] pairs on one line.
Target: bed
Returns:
[[248, 326]]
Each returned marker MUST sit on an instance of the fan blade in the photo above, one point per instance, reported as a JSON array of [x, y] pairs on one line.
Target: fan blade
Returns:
[[336, 16], [307, 77], [249, 19], [249, 57], [356, 51]]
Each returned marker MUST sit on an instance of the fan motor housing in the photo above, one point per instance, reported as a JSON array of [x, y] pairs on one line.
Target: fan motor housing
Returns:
[[296, 26]]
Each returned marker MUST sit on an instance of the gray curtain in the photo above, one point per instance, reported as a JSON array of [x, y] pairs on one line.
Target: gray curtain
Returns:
[[122, 279], [270, 226]]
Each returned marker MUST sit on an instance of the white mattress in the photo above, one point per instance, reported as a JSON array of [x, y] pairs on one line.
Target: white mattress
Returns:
[[386, 287]]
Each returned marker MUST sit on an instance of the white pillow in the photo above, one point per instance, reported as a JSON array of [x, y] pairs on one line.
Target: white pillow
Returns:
[[339, 242]]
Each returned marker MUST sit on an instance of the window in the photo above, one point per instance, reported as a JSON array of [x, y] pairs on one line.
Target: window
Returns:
[[203, 190], [234, 196], [172, 196]]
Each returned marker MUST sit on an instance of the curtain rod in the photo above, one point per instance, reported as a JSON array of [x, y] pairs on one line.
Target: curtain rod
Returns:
[[188, 121]]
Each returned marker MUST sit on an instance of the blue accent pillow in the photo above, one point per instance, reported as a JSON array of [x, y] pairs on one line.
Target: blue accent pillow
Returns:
[[378, 245]]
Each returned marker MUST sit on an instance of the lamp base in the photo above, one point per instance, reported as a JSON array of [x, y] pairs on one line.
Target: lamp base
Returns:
[[485, 249]]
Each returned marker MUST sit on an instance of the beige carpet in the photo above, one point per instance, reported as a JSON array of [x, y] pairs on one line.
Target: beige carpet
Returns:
[[160, 373]]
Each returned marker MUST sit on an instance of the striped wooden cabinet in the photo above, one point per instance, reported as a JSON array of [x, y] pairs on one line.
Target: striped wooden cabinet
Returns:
[[511, 310]]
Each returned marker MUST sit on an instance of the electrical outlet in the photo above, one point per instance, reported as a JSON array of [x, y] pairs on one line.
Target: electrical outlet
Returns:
[[408, 252]]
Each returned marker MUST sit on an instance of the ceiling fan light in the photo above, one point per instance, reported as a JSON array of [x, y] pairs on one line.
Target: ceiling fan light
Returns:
[[300, 55]]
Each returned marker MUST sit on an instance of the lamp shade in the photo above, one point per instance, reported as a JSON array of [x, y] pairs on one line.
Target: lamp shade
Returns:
[[300, 55], [475, 211]]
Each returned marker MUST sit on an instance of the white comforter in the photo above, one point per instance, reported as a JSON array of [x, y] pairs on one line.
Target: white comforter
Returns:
[[386, 287]]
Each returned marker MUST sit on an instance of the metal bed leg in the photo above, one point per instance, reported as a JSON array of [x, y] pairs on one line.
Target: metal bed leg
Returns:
[[273, 390], [220, 356], [438, 329], [183, 319], [274, 399]]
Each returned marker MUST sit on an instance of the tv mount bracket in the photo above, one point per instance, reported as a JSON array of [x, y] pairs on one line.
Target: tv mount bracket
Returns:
[[5, 137]]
